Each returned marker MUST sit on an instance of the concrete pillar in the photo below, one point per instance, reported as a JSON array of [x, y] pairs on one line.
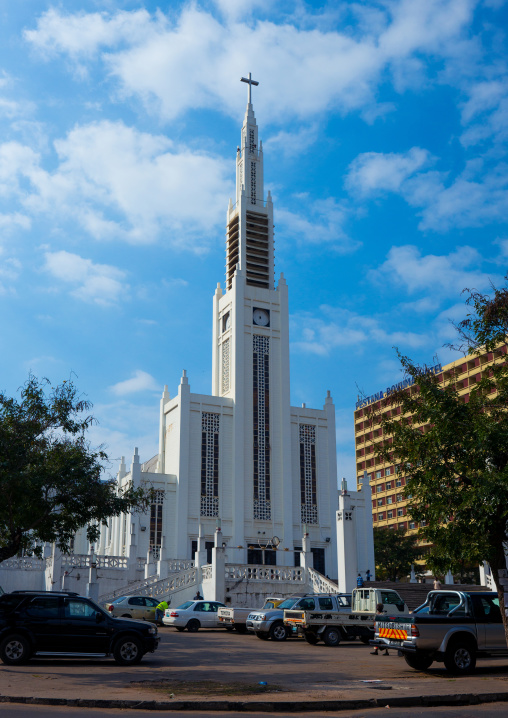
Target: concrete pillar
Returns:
[[218, 568], [306, 557], [92, 587], [346, 542]]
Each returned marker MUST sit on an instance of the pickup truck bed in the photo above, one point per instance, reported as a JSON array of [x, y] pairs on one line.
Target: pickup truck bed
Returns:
[[452, 627]]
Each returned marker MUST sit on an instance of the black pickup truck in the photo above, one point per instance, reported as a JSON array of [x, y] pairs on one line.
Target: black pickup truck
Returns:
[[454, 627], [66, 624]]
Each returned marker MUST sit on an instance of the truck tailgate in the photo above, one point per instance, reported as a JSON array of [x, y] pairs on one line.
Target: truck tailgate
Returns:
[[394, 628]]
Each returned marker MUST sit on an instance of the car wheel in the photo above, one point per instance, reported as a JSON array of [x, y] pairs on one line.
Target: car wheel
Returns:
[[460, 657], [311, 637], [15, 650], [193, 625], [419, 663], [127, 651], [278, 632], [332, 636], [263, 635], [180, 628]]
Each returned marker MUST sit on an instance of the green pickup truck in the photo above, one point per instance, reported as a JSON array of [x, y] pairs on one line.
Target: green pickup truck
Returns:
[[453, 627]]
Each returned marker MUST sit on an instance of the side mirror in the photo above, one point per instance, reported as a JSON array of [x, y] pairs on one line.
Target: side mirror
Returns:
[[99, 617]]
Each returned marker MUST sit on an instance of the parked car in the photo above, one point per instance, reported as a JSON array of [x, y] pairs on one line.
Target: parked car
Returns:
[[66, 624], [193, 615], [142, 607]]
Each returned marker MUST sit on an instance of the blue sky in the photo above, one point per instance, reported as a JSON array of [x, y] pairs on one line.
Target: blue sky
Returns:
[[384, 126]]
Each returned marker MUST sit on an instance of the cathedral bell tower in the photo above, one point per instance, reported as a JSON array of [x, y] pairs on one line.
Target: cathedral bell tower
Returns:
[[251, 350]]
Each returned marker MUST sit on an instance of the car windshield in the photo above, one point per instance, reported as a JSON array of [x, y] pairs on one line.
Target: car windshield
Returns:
[[119, 600], [288, 603], [185, 605]]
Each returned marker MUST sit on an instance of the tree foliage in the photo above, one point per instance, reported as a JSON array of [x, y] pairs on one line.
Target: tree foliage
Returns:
[[455, 452], [394, 551], [50, 477]]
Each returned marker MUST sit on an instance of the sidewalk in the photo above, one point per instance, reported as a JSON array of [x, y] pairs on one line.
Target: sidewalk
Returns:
[[298, 676]]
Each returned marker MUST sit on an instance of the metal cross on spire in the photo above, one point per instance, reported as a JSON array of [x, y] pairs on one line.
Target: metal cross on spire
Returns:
[[250, 82]]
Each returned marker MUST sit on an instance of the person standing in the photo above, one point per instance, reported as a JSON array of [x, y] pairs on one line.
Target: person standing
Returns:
[[367, 575], [159, 611], [375, 652], [437, 584], [359, 580]]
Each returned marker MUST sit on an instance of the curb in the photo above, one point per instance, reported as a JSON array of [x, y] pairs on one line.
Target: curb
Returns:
[[457, 699]]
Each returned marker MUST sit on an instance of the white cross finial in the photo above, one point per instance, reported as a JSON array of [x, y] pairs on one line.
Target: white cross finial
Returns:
[[250, 82]]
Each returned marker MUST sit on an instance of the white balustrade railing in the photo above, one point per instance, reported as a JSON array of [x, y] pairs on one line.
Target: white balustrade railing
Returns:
[[287, 574], [321, 584], [206, 572], [84, 560], [177, 564], [24, 563], [166, 586]]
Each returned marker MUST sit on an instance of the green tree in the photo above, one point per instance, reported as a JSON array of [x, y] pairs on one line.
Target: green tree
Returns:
[[394, 552], [455, 452], [50, 477]]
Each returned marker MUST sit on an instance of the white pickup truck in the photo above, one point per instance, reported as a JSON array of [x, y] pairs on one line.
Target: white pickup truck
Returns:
[[323, 622], [269, 623], [236, 618]]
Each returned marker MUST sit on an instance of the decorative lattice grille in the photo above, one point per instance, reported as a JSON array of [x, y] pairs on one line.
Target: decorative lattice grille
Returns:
[[253, 182], [308, 490], [156, 524], [225, 366], [210, 427], [261, 421]]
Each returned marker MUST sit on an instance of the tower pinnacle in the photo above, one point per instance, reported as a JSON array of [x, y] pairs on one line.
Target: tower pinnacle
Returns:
[[250, 82]]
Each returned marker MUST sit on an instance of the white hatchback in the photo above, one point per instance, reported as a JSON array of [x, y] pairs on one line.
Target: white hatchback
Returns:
[[193, 615]]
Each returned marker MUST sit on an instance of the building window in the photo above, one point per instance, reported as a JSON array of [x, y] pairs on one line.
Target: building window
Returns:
[[412, 525], [400, 512], [381, 516], [379, 488], [389, 499], [261, 427], [388, 471], [390, 515], [399, 497], [225, 366], [380, 502], [388, 485], [210, 425], [398, 482], [378, 474], [156, 524], [308, 488]]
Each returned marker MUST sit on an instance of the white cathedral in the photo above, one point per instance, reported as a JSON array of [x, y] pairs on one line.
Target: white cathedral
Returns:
[[241, 458]]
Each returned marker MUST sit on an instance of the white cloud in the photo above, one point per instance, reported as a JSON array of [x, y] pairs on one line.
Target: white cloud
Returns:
[[343, 328], [82, 34], [318, 222], [372, 172], [478, 196], [292, 144], [140, 381], [439, 275], [10, 269], [96, 283], [173, 63], [117, 182]]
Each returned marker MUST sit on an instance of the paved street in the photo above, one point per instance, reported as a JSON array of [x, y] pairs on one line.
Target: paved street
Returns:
[[296, 670], [495, 710]]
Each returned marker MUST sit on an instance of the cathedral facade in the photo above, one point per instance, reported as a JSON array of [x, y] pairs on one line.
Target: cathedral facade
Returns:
[[242, 458]]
